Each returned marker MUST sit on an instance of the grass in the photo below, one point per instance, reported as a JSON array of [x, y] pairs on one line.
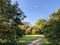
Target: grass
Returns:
[[28, 38], [44, 41]]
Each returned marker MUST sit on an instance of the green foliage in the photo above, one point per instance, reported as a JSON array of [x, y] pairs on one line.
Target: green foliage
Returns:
[[36, 29], [38, 26], [29, 31], [10, 19], [44, 41], [26, 27], [51, 29]]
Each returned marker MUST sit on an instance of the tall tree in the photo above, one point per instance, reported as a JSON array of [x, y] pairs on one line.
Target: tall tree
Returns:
[[10, 19], [52, 28], [38, 26]]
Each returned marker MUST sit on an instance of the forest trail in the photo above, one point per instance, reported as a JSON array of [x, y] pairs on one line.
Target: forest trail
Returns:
[[36, 41]]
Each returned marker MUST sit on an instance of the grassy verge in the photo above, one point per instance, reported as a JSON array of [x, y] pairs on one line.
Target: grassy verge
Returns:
[[28, 38], [44, 41]]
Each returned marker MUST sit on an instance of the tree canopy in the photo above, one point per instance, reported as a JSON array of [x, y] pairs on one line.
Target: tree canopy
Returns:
[[52, 28], [10, 19]]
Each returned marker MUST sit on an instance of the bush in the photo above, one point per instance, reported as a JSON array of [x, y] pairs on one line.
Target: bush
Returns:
[[52, 33], [51, 29]]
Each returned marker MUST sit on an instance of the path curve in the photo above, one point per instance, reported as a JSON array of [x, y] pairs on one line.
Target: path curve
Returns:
[[36, 41]]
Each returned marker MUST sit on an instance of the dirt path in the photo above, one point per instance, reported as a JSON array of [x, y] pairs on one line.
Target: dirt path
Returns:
[[35, 42]]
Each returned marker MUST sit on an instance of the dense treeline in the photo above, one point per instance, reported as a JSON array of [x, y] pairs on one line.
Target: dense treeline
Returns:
[[51, 28], [35, 29], [10, 19]]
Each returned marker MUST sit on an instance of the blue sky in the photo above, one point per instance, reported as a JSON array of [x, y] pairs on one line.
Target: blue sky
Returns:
[[35, 9]]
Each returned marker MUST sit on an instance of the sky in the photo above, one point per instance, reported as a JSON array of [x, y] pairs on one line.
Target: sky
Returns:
[[36, 9]]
